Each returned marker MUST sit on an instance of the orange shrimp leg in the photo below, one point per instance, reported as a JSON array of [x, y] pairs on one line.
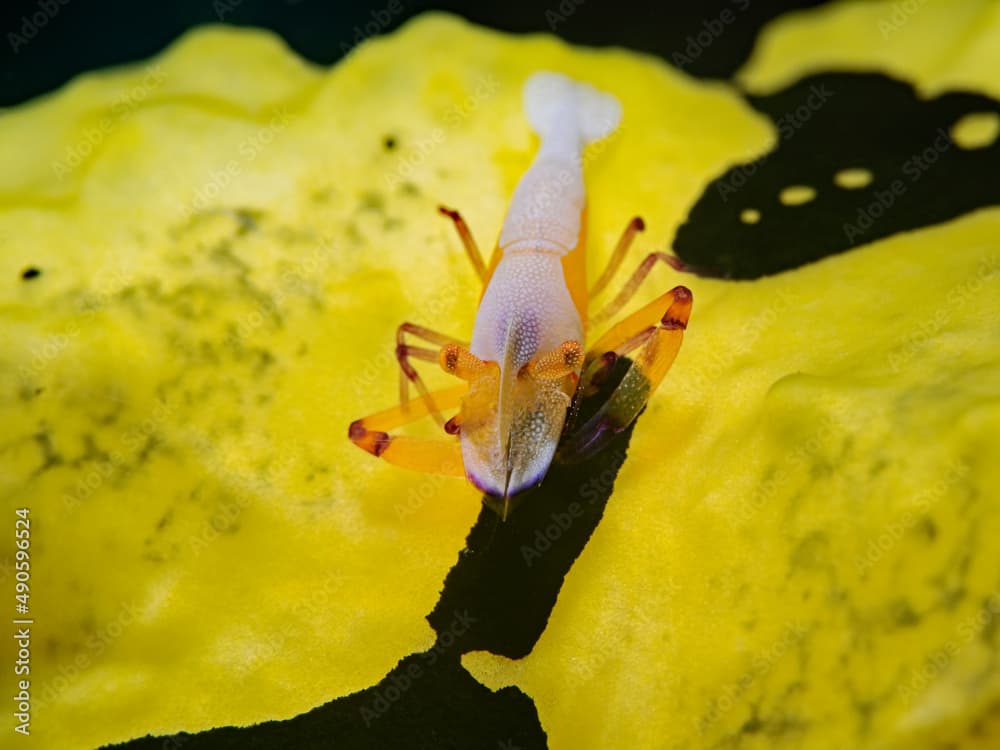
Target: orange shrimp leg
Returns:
[[635, 226], [632, 285], [433, 456], [407, 372], [483, 379], [468, 241], [656, 331]]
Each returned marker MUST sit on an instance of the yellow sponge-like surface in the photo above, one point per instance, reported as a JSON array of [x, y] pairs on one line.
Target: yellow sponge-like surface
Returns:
[[800, 549]]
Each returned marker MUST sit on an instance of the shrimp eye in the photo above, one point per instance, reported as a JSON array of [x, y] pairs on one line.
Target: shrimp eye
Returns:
[[572, 353], [449, 358]]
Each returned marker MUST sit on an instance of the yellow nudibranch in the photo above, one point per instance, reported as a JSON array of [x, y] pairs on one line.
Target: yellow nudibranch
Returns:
[[526, 364]]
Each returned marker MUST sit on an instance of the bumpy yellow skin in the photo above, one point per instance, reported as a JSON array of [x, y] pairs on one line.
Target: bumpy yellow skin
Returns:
[[804, 532]]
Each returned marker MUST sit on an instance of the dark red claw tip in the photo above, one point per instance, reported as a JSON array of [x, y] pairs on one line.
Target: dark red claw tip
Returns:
[[608, 360], [357, 430], [373, 442], [382, 440], [401, 351], [682, 294]]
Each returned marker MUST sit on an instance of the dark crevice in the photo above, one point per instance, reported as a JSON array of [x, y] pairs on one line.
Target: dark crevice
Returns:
[[497, 597], [828, 123], [509, 574], [428, 701]]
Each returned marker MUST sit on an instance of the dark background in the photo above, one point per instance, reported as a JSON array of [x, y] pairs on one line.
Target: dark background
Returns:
[[68, 37]]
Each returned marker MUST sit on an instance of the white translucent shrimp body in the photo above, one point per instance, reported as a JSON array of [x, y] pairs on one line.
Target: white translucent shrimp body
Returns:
[[527, 309]]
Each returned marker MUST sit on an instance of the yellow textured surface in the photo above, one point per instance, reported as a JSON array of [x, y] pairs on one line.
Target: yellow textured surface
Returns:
[[934, 44], [804, 525]]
